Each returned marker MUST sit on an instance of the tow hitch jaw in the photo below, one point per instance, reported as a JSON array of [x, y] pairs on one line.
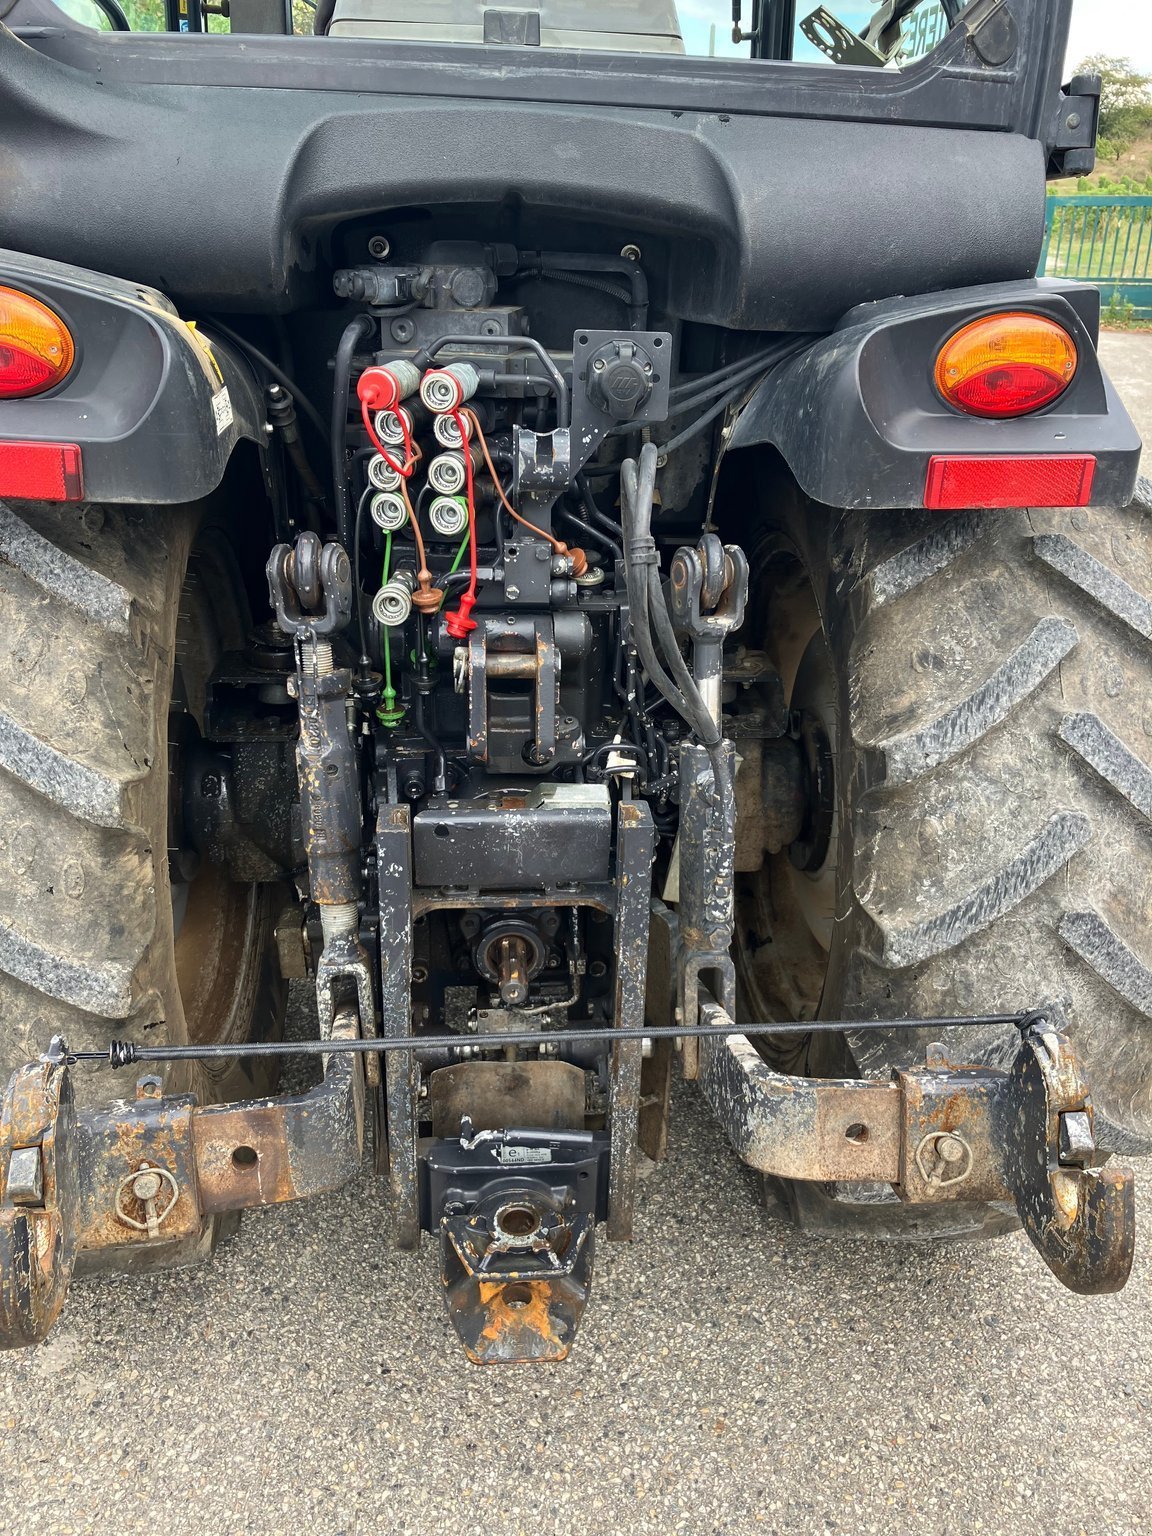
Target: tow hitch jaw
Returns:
[[516, 1210]]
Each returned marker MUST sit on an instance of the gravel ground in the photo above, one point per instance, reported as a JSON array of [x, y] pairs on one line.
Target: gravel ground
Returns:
[[732, 1376]]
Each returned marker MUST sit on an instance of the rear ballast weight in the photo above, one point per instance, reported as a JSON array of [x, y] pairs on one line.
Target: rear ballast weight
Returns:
[[515, 1210]]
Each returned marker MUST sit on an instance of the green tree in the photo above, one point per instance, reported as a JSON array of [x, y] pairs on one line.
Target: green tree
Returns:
[[1125, 102]]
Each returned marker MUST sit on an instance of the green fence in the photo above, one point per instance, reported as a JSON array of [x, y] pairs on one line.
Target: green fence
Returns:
[[1106, 241]]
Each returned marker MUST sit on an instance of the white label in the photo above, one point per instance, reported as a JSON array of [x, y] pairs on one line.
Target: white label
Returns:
[[222, 410], [525, 1155]]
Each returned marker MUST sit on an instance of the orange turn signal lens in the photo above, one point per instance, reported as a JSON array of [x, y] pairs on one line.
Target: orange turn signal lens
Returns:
[[36, 349], [1006, 365]]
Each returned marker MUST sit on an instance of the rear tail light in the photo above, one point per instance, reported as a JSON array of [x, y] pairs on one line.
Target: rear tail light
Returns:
[[41, 472], [36, 349], [1040, 480], [1006, 365]]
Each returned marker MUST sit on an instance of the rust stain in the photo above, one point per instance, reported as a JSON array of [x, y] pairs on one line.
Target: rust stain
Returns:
[[242, 1158], [519, 1324]]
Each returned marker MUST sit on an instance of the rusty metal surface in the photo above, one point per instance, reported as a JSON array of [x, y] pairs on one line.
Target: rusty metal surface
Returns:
[[950, 1144], [142, 1177], [114, 1143], [401, 1072], [1081, 1219], [269, 1151], [37, 1241], [495, 1094], [635, 843], [516, 1302], [802, 1128], [655, 1101]]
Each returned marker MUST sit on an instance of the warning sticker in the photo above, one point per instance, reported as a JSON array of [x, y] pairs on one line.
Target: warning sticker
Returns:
[[222, 410]]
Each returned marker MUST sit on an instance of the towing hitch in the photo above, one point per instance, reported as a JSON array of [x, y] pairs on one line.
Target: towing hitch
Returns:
[[516, 1209]]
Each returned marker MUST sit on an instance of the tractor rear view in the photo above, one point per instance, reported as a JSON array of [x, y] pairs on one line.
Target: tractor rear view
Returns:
[[600, 557]]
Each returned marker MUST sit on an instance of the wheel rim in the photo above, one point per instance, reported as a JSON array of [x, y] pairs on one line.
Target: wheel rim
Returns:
[[219, 924], [786, 912]]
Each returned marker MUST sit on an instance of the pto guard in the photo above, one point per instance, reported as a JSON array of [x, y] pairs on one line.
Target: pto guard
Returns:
[[516, 1210]]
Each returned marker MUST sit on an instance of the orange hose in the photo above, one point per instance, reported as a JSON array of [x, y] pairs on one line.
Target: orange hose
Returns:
[[428, 598]]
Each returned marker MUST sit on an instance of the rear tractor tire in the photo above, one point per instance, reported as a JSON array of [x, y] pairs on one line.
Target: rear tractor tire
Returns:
[[114, 618], [984, 682]]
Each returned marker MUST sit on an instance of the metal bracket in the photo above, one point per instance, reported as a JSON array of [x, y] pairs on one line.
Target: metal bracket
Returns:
[[523, 650], [643, 358], [943, 1133], [1082, 1219], [302, 578], [1073, 126], [150, 1173], [707, 854], [516, 1213]]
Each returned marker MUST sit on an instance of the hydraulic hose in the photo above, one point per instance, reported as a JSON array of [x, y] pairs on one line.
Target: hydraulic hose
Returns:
[[639, 487], [597, 518], [648, 608], [356, 331], [553, 263]]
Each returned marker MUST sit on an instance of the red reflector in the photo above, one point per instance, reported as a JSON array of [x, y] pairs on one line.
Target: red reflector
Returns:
[[41, 471], [1046, 480]]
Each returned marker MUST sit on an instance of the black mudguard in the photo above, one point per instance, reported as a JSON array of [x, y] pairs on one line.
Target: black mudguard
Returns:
[[155, 408], [857, 416]]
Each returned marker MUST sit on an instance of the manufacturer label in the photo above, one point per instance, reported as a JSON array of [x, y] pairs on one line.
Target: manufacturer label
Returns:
[[222, 410], [525, 1154]]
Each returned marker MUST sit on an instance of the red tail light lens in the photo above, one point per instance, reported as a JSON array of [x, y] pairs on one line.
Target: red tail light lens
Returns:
[[1006, 365], [1040, 480], [36, 348], [41, 472]]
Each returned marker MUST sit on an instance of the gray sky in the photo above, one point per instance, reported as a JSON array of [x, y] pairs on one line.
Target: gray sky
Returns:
[[1119, 27]]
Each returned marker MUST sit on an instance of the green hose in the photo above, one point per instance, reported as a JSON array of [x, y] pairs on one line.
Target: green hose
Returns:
[[388, 713]]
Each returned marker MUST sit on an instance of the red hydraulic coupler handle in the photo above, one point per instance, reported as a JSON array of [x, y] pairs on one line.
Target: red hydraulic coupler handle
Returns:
[[460, 624]]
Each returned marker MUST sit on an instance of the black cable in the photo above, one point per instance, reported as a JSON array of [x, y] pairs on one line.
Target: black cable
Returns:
[[628, 267], [609, 528], [718, 375], [586, 534], [274, 372], [579, 280], [355, 331], [125, 1053], [363, 502], [699, 389], [639, 487], [722, 386], [699, 717], [702, 422]]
